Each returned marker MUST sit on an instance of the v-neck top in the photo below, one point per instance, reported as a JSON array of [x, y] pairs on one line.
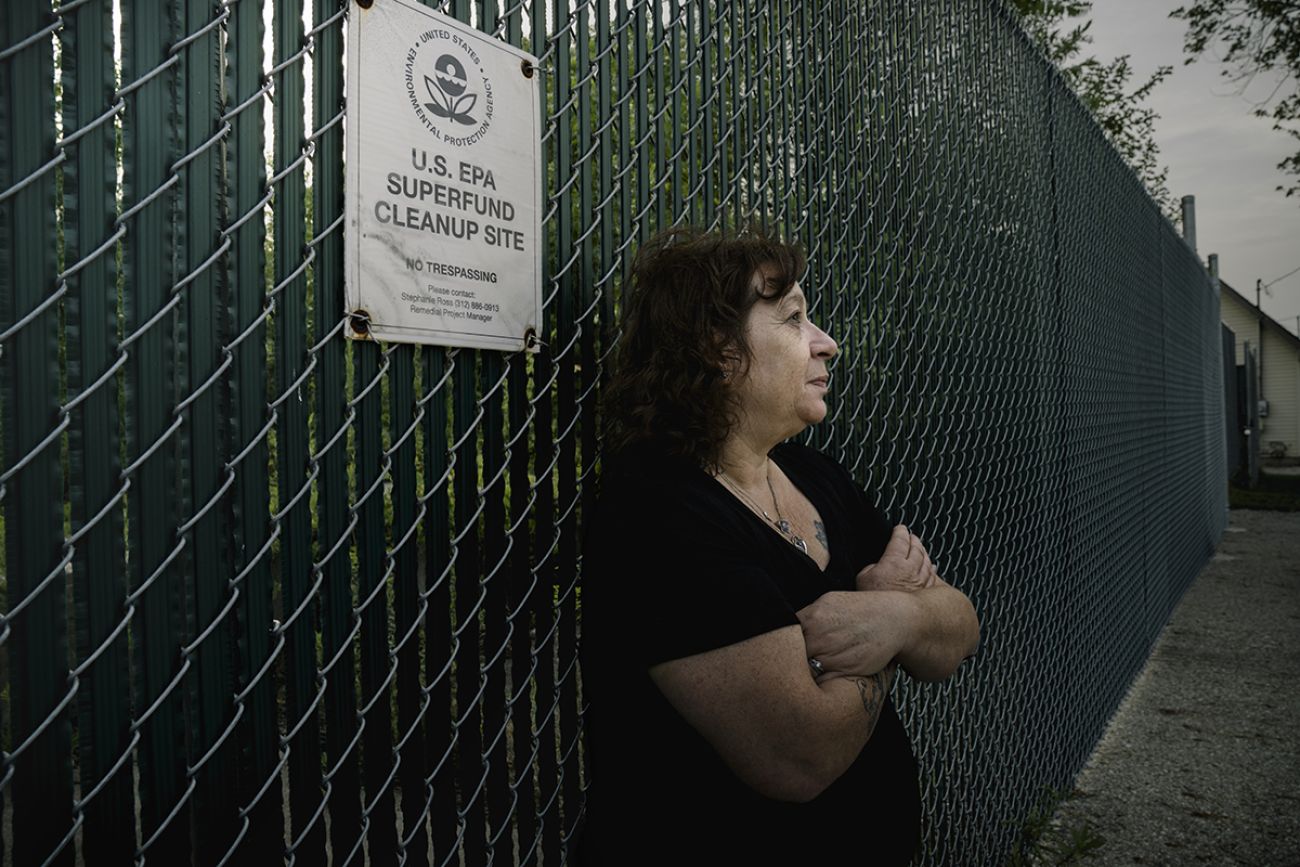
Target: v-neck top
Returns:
[[765, 518], [675, 565]]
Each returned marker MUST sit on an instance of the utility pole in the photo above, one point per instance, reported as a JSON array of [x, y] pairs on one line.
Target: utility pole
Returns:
[[1259, 318]]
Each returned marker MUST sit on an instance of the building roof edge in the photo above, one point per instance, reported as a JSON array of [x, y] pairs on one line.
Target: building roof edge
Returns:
[[1250, 305]]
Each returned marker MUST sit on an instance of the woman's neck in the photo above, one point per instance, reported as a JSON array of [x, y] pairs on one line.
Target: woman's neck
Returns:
[[744, 462]]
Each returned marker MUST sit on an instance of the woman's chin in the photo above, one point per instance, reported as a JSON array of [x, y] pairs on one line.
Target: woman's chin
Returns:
[[815, 414]]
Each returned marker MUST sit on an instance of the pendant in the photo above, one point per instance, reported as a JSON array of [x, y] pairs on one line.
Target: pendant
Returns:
[[784, 526]]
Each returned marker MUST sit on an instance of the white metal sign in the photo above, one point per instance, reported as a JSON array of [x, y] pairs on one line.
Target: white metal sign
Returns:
[[443, 194]]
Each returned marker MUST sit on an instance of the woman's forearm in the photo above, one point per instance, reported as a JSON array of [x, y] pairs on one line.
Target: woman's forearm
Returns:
[[929, 632], [757, 704], [944, 631], [851, 707], [858, 633]]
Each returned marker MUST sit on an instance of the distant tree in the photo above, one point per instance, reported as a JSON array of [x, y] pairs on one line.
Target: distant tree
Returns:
[[1060, 27], [1046, 21], [1254, 37]]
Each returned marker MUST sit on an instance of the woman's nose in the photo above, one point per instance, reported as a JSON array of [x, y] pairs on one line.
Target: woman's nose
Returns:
[[824, 346]]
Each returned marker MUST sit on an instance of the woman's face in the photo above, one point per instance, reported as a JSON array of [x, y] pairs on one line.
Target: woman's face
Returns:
[[784, 389]]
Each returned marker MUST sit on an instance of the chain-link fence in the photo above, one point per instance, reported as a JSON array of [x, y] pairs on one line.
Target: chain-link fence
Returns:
[[269, 594]]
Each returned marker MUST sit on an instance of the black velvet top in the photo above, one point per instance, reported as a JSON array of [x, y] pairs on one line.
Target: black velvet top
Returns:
[[675, 565]]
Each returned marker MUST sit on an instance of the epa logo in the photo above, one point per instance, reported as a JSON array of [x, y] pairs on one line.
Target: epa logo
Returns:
[[448, 88]]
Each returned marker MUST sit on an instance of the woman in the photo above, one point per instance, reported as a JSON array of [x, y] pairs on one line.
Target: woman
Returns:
[[744, 607]]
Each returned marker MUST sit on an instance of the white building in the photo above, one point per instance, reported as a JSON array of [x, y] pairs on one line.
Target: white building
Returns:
[[1278, 367]]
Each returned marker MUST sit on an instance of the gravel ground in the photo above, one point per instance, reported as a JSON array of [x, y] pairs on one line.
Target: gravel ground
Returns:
[[1201, 764]]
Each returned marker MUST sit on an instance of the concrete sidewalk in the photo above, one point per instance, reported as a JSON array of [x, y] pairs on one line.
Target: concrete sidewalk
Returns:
[[1201, 764]]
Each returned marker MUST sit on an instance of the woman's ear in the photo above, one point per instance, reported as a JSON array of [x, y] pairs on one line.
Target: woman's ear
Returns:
[[729, 358], [731, 365]]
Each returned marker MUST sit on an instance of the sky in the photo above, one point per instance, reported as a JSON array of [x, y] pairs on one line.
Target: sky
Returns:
[[1216, 150]]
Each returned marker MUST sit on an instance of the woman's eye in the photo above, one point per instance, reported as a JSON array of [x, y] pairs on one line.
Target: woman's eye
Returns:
[[796, 316]]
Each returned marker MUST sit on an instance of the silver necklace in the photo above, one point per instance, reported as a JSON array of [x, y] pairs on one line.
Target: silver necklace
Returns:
[[781, 524]]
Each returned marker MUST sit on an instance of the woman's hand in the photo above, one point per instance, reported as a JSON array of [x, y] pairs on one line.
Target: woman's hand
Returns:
[[858, 634], [905, 565]]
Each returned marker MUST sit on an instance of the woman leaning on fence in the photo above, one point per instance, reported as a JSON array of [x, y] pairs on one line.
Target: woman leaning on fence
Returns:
[[744, 606]]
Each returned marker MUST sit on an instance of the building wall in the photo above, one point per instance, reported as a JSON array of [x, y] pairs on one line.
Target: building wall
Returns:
[[1281, 389], [1241, 319], [1281, 380]]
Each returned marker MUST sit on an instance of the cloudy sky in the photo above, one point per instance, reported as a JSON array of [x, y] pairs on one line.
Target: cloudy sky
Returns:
[[1216, 150]]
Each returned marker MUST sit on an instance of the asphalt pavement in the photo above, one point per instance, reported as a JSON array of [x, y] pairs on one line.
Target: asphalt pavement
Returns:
[[1201, 764]]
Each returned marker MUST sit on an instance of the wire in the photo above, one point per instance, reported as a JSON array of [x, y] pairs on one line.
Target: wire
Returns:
[[1283, 277]]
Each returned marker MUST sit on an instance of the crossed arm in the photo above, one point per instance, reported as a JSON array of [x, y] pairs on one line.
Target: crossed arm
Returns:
[[783, 734], [789, 736], [936, 624]]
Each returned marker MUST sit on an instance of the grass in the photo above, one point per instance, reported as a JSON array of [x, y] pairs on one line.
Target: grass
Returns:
[[1274, 492], [1045, 843]]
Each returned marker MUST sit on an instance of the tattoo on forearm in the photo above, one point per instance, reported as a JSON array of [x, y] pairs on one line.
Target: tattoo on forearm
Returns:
[[873, 690], [821, 534]]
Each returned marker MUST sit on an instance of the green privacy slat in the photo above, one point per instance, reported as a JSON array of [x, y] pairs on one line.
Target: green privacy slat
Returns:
[[546, 377], [438, 628], [573, 287], [40, 789], [587, 320], [784, 165], [149, 150], [760, 66], [407, 604], [259, 794], [650, 157], [492, 382], [729, 91], [565, 353], [628, 158], [332, 420], [529, 513], [543, 606], [616, 212], [203, 439], [522, 595], [542, 603], [99, 568], [492, 386], [467, 589], [468, 592], [298, 595], [705, 150], [375, 702], [678, 99], [440, 771], [577, 401]]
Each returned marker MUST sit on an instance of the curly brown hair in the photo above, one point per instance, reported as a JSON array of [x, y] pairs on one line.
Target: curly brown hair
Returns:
[[683, 319]]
